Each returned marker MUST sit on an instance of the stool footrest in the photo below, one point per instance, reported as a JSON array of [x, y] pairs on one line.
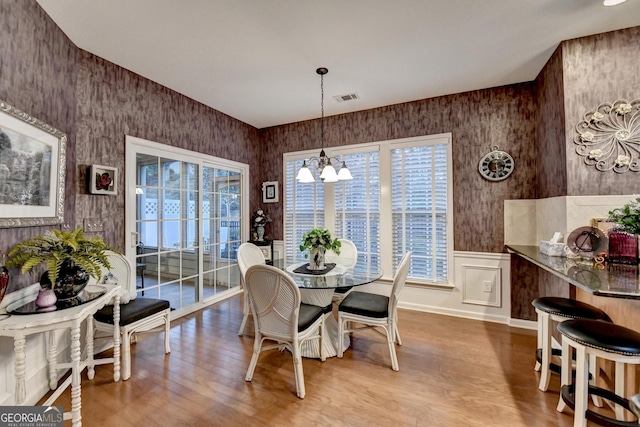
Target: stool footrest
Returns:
[[568, 392], [552, 366]]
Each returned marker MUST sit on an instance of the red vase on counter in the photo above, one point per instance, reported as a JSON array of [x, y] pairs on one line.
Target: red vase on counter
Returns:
[[623, 247]]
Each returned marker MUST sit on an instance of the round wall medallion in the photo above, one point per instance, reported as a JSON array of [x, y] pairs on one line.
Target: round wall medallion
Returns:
[[496, 165]]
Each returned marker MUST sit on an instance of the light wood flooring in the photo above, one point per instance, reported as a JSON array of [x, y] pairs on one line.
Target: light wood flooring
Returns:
[[453, 372]]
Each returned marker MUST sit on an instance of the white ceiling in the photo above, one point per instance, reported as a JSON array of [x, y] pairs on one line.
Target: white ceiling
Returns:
[[256, 60]]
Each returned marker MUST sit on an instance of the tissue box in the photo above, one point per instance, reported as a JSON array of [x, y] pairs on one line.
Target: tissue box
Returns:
[[552, 249]]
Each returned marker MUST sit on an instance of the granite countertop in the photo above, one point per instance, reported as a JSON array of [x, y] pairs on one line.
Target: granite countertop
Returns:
[[610, 280]]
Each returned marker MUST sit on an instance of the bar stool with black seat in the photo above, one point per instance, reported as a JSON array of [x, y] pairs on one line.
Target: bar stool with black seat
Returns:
[[557, 309], [606, 341], [634, 405]]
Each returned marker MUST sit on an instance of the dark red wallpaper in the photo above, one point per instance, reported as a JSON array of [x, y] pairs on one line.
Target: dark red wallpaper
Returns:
[[551, 160], [597, 69], [503, 116]]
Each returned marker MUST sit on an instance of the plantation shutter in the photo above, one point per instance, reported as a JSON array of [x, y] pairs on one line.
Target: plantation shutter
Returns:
[[304, 209], [357, 206], [419, 209]]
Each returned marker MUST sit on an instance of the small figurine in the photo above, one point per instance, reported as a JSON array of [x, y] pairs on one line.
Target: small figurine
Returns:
[[260, 219]]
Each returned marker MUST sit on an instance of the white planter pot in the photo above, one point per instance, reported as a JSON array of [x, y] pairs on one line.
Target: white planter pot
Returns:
[[316, 258]]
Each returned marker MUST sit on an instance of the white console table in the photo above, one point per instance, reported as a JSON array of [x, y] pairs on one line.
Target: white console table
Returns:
[[19, 326]]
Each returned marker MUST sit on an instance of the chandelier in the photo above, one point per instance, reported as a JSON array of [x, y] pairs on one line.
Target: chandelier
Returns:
[[327, 171]]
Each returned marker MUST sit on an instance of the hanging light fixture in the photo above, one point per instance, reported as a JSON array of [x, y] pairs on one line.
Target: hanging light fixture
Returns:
[[327, 171]]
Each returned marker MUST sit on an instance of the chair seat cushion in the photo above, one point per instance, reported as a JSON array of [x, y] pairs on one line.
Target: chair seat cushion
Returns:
[[308, 314], [602, 335], [343, 290], [132, 311], [365, 304], [570, 308]]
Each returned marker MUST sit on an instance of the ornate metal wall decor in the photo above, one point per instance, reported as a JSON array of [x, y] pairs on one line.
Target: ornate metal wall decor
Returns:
[[609, 137]]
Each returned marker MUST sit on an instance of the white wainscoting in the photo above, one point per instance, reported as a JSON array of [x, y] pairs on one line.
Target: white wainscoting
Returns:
[[481, 285], [466, 296], [278, 249]]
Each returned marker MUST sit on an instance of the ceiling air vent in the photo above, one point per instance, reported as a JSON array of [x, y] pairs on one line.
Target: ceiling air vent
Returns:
[[347, 97]]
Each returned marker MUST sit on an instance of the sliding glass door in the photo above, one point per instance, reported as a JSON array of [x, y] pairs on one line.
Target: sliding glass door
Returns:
[[221, 228], [187, 224]]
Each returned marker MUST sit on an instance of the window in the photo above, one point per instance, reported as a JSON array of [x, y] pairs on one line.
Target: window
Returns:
[[419, 195], [304, 209], [357, 206], [405, 183]]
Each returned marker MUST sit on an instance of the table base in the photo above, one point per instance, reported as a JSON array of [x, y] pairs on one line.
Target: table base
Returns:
[[311, 348]]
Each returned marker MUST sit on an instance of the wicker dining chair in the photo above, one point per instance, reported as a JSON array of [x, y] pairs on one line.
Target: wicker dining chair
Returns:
[[374, 310], [348, 258], [248, 255], [279, 316]]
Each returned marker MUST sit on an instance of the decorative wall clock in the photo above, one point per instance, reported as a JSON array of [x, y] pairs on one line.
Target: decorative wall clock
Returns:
[[496, 165]]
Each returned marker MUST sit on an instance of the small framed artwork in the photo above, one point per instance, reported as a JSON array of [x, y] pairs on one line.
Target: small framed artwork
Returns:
[[103, 180], [32, 170], [270, 192], [602, 224]]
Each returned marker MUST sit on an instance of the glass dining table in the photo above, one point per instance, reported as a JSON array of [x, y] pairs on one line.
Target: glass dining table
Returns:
[[317, 288]]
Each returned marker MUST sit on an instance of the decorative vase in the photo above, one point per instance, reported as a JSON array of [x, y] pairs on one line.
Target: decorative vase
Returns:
[[46, 298], [260, 231], [316, 258], [4, 276], [4, 280], [72, 279], [623, 247]]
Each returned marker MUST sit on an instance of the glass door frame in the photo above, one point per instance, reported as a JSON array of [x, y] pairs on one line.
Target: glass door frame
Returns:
[[133, 146]]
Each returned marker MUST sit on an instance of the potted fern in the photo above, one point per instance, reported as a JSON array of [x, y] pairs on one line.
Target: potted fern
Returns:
[[70, 259], [317, 241]]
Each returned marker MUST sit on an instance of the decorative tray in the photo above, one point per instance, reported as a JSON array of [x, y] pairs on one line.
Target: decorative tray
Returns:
[[304, 269], [85, 296]]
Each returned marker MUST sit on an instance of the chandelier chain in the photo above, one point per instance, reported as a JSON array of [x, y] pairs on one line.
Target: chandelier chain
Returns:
[[326, 169], [322, 110]]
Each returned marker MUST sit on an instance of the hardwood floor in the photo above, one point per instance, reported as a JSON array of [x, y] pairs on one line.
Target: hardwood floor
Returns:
[[453, 372]]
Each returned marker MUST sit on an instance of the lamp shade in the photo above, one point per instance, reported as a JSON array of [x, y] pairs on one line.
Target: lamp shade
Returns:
[[304, 174], [329, 174], [344, 174]]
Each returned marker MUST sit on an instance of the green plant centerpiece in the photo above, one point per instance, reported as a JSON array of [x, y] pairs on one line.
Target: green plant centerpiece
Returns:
[[69, 256], [317, 241], [627, 217]]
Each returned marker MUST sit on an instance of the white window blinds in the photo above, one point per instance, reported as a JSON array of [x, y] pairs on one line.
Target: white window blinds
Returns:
[[304, 209], [398, 201], [357, 206], [419, 198]]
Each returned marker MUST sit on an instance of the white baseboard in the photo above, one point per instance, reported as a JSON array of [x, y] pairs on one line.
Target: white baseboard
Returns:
[[517, 323], [524, 324]]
